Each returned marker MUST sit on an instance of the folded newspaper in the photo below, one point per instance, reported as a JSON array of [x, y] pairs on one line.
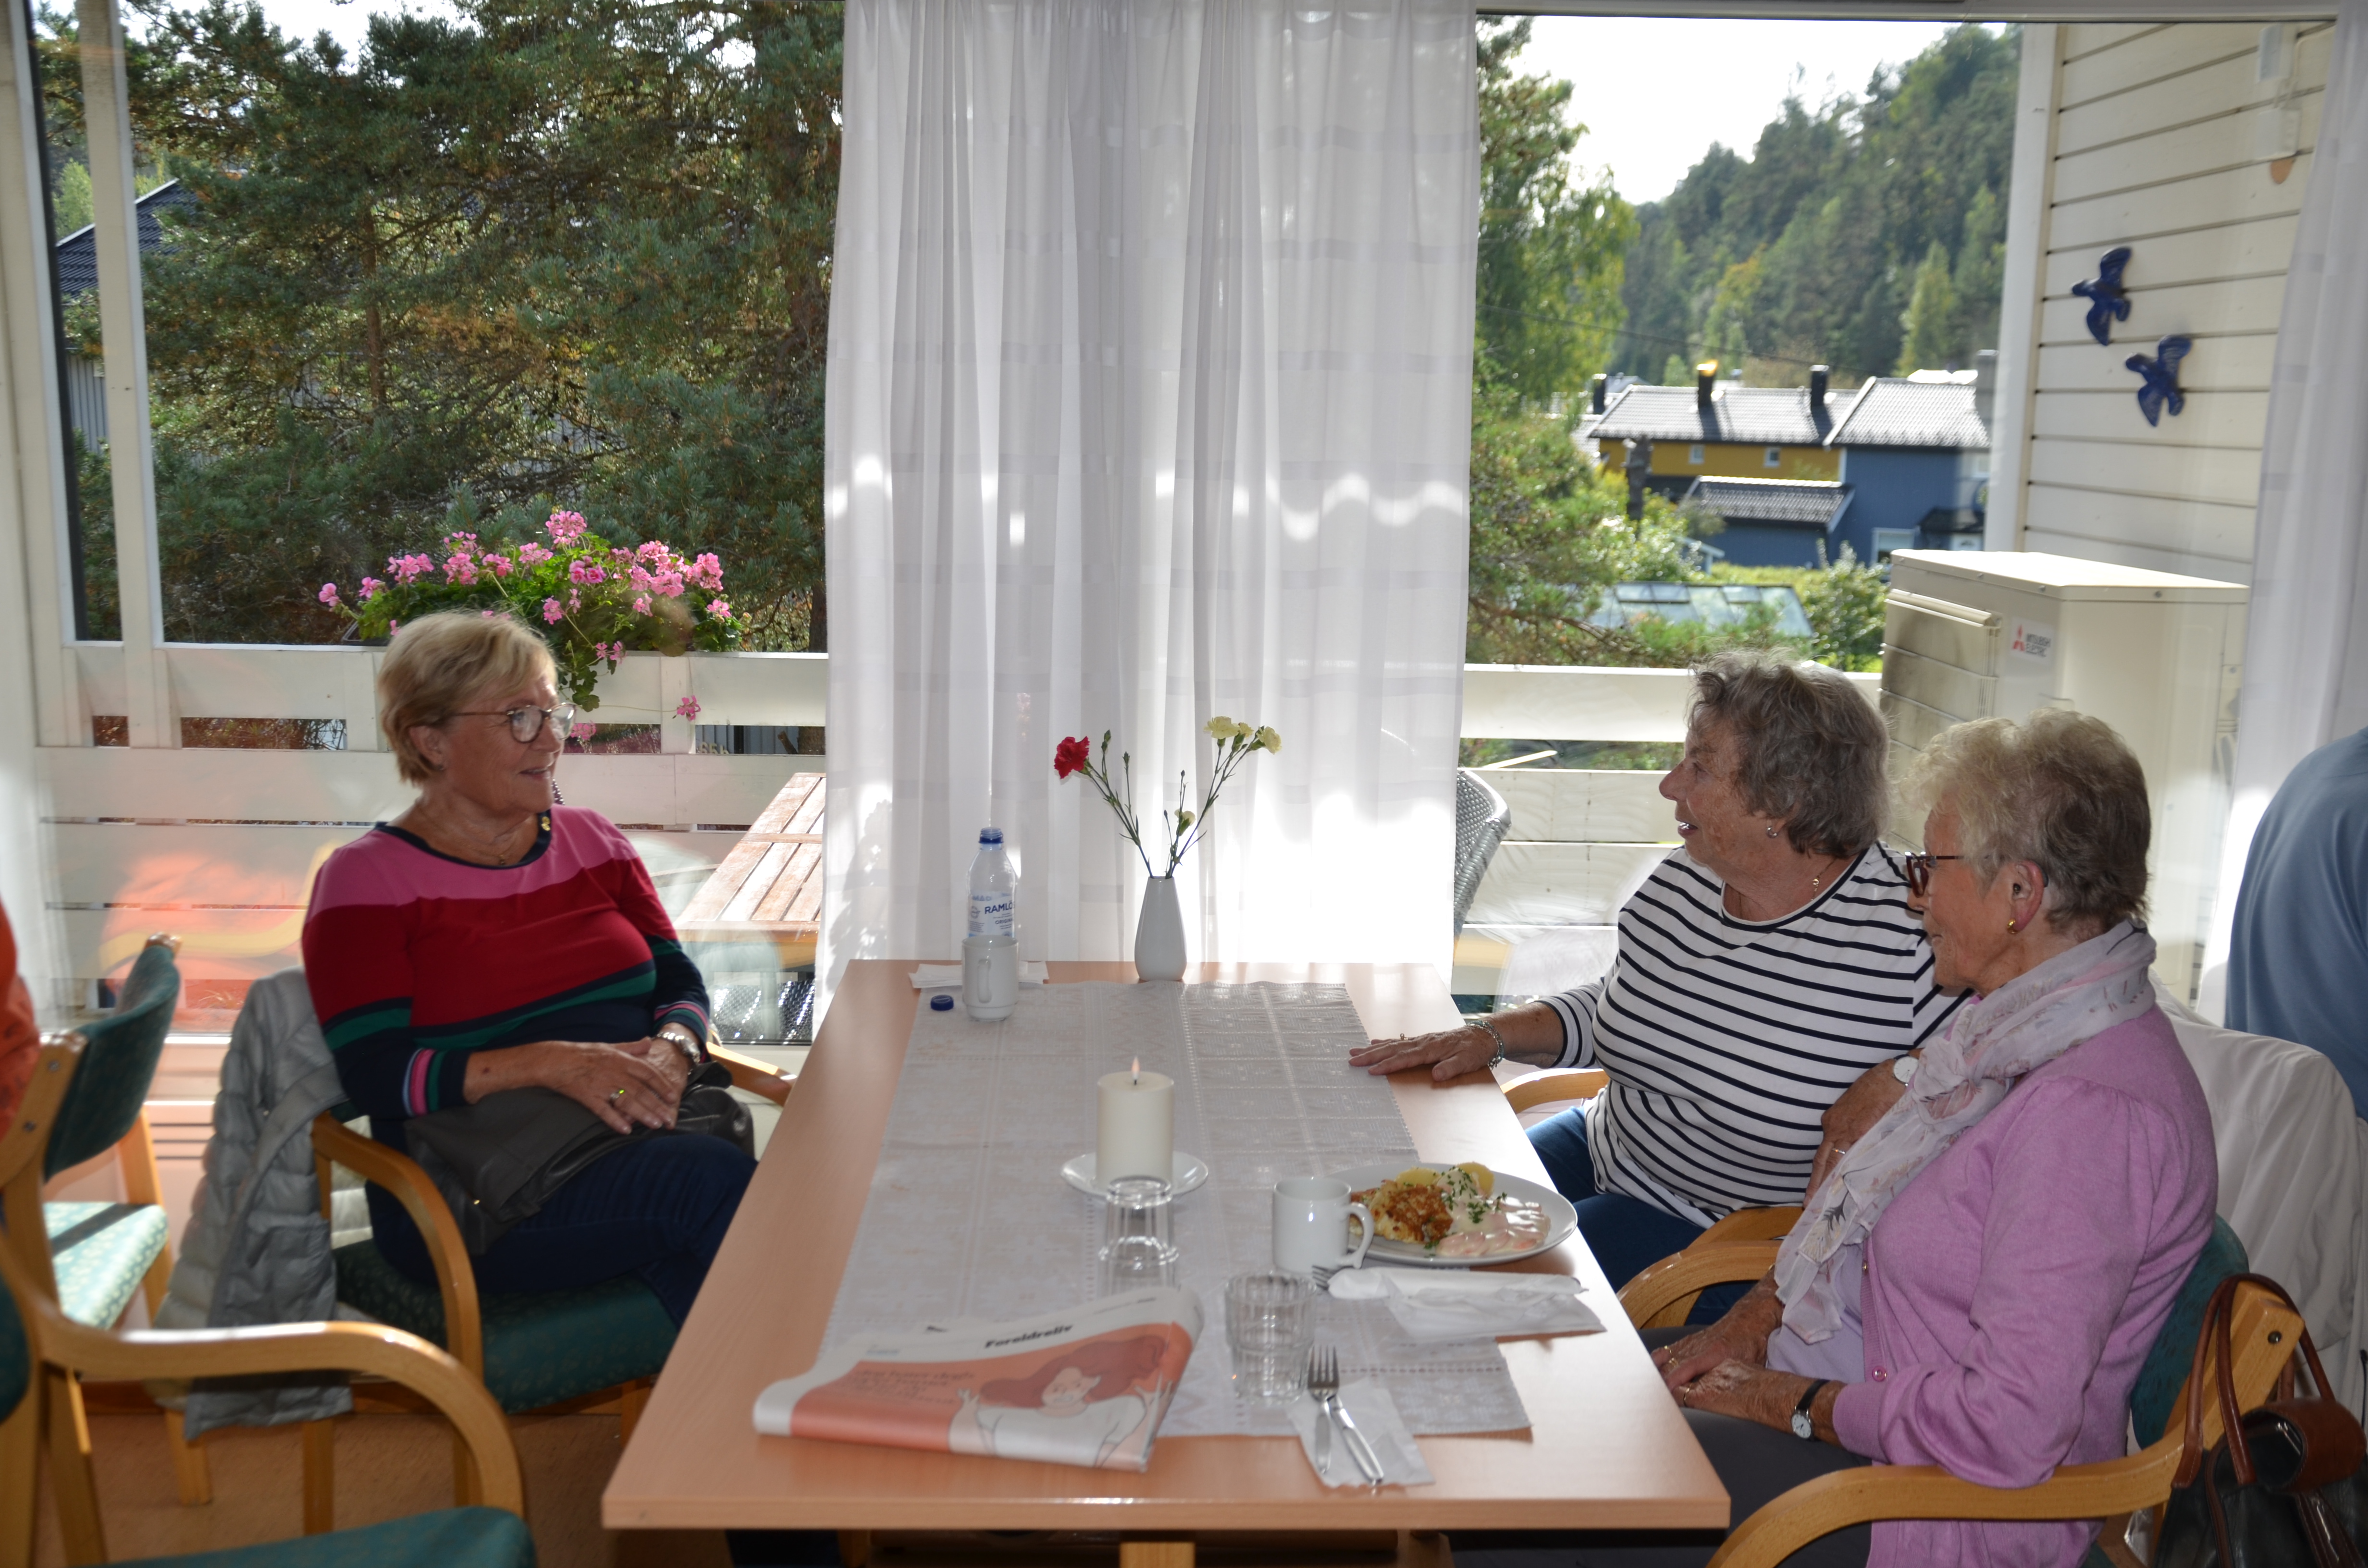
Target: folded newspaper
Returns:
[[1088, 1387]]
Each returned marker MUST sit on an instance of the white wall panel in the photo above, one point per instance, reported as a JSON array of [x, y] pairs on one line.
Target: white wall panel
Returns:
[[2215, 419], [2249, 304], [2152, 558], [2224, 142], [2202, 528], [2210, 473], [2256, 249], [2231, 364], [2200, 201], [2220, 86]]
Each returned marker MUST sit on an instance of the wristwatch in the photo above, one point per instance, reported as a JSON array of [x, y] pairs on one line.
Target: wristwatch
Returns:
[[1483, 1023], [1903, 1068], [1802, 1426], [683, 1038]]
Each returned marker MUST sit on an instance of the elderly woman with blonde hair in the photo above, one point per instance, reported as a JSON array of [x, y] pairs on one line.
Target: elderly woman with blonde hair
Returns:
[[489, 939], [1978, 1278]]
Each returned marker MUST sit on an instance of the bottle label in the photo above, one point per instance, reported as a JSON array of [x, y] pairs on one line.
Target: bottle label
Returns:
[[991, 914]]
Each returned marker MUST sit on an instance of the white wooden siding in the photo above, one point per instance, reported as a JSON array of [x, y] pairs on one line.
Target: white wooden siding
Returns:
[[2151, 144]]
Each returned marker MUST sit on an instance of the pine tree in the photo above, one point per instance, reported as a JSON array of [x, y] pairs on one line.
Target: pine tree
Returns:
[[1929, 330]]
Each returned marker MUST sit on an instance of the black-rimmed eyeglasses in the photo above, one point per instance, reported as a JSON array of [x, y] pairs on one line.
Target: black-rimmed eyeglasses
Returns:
[[526, 723], [1918, 870]]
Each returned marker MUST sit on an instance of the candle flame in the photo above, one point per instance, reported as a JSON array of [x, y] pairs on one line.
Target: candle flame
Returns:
[[1137, 1070]]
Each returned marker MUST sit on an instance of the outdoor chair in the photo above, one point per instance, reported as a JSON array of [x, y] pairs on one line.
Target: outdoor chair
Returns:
[[533, 1351], [1482, 820], [88, 1258], [43, 1351], [2266, 1331]]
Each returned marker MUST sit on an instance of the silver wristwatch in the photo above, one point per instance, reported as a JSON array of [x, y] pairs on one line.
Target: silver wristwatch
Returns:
[[683, 1041], [1803, 1425], [1903, 1068], [1483, 1023]]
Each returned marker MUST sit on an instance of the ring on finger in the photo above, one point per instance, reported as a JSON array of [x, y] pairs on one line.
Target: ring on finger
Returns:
[[615, 1095]]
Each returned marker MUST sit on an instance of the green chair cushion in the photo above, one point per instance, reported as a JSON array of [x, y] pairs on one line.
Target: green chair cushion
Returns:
[[540, 1347], [101, 1251], [15, 1358], [454, 1538], [2163, 1371]]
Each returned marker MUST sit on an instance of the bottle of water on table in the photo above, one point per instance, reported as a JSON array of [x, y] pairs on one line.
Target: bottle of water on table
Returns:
[[991, 951]]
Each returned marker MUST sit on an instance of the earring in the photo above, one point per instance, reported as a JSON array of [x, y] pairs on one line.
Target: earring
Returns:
[[1771, 833], [2012, 927]]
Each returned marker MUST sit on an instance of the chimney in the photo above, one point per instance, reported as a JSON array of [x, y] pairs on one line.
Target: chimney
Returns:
[[1817, 377], [1985, 385], [1595, 388], [1705, 380]]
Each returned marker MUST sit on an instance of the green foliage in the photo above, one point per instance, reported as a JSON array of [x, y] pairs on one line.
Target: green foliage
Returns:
[[550, 253], [1548, 296], [1835, 213], [1929, 327], [1843, 601], [72, 200]]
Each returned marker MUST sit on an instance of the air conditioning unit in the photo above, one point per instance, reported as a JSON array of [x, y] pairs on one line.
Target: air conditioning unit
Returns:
[[1979, 634]]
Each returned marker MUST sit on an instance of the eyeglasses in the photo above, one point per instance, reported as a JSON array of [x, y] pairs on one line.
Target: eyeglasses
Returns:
[[526, 723], [1918, 869]]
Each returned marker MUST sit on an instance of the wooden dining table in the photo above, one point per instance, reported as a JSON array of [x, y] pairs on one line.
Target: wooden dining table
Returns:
[[1607, 1448]]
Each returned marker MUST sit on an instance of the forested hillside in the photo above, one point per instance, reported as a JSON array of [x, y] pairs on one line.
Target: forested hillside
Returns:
[[1869, 235]]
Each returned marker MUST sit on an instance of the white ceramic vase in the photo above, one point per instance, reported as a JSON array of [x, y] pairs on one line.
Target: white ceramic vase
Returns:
[[1160, 933]]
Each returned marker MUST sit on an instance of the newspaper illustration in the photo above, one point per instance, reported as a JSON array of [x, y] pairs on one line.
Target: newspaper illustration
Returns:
[[1088, 1387]]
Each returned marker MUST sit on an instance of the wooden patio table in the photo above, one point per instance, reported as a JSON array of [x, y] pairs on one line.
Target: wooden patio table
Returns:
[[1607, 1449]]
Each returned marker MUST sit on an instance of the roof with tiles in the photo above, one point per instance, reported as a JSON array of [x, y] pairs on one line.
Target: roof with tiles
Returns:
[[1793, 503], [1889, 412], [1757, 417], [78, 251]]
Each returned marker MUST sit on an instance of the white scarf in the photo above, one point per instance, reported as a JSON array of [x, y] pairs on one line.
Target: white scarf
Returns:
[[2025, 1023]]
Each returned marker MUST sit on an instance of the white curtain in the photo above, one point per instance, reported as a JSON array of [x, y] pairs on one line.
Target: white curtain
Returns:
[[1149, 400], [2306, 633]]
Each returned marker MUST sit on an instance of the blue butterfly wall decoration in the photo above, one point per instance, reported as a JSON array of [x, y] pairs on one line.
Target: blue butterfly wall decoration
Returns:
[[2158, 378], [2108, 301]]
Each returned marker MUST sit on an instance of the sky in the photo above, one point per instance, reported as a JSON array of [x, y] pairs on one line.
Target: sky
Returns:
[[1655, 93], [1705, 81]]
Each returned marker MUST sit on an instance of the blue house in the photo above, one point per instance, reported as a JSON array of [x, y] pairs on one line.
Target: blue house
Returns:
[[1915, 457]]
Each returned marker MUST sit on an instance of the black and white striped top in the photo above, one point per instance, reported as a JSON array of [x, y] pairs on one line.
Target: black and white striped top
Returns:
[[1726, 1039]]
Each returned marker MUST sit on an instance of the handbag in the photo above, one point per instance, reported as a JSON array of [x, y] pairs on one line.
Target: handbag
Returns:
[[2284, 1488], [497, 1161]]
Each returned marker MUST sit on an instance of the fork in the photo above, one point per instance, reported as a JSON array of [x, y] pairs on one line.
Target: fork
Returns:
[[1324, 1387]]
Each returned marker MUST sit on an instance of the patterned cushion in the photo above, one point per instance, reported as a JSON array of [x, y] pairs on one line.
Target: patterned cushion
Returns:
[[99, 1250], [456, 1537], [541, 1346]]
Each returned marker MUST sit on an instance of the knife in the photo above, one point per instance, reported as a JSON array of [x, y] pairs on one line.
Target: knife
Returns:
[[1358, 1449], [1323, 1441]]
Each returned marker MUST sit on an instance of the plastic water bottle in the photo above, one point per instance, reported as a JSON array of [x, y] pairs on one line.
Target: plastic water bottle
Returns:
[[994, 889]]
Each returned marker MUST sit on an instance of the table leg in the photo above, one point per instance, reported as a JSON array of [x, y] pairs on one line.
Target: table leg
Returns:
[[1154, 1555]]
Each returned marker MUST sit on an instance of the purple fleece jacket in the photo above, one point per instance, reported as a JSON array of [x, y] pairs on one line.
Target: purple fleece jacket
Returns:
[[2014, 1288]]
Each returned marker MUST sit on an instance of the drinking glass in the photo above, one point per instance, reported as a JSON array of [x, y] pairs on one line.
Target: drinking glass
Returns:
[[1136, 1249], [1271, 1323]]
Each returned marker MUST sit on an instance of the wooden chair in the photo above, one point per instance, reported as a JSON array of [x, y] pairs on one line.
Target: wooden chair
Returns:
[[532, 1351], [43, 1351], [1555, 1084], [2265, 1333], [88, 1258]]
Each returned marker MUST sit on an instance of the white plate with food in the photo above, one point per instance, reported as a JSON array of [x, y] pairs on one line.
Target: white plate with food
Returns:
[[1442, 1216]]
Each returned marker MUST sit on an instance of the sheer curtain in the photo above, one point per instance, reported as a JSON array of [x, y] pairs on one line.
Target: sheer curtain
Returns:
[[2306, 631], [1149, 400]]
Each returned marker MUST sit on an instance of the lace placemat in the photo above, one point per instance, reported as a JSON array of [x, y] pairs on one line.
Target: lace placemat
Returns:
[[968, 1217]]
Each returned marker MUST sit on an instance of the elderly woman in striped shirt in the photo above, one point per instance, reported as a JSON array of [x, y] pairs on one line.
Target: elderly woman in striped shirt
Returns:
[[1771, 984]]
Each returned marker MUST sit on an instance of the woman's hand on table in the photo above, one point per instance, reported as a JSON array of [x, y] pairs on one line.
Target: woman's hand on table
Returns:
[[1449, 1053], [625, 1085]]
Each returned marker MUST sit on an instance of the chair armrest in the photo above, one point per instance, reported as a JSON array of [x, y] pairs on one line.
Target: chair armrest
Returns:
[[1752, 1225], [753, 1076], [1556, 1083], [1662, 1295], [456, 1278], [368, 1348], [2264, 1331]]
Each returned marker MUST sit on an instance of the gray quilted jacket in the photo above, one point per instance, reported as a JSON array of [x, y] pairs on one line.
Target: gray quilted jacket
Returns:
[[256, 1250]]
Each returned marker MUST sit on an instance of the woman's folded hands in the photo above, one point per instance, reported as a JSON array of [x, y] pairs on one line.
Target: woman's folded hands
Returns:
[[637, 1084]]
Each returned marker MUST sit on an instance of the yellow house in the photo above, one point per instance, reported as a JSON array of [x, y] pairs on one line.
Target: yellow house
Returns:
[[1719, 430]]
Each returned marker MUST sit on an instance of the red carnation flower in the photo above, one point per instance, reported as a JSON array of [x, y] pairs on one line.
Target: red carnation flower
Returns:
[[1070, 755]]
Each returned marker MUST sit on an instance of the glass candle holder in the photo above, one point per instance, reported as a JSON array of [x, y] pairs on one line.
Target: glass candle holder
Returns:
[[1137, 1248]]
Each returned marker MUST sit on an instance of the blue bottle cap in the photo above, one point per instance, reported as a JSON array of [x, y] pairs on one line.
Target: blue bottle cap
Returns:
[[990, 835], [941, 1003]]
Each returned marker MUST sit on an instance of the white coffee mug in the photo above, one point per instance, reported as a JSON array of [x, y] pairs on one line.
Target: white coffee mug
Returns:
[[990, 977], [1311, 1225]]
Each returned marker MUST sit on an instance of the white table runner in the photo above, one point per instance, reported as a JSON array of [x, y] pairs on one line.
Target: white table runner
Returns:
[[968, 1217]]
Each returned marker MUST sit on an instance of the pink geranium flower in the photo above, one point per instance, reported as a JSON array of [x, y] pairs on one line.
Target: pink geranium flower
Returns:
[[584, 572], [654, 552], [551, 611], [581, 731], [687, 709], [565, 528], [532, 554], [639, 578], [459, 570], [708, 571], [718, 609], [499, 564], [370, 585], [669, 584], [642, 604], [329, 596]]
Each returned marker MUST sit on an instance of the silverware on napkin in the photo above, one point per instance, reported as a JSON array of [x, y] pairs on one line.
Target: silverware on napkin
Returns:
[[1324, 1387]]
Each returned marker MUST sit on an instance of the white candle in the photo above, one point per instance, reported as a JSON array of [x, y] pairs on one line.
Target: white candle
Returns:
[[1136, 1133]]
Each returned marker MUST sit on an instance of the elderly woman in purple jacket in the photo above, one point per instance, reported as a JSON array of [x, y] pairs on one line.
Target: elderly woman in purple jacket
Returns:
[[1977, 1279]]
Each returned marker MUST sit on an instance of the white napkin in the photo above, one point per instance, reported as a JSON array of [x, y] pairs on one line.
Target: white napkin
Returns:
[[1376, 1415], [949, 976], [1453, 1305]]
